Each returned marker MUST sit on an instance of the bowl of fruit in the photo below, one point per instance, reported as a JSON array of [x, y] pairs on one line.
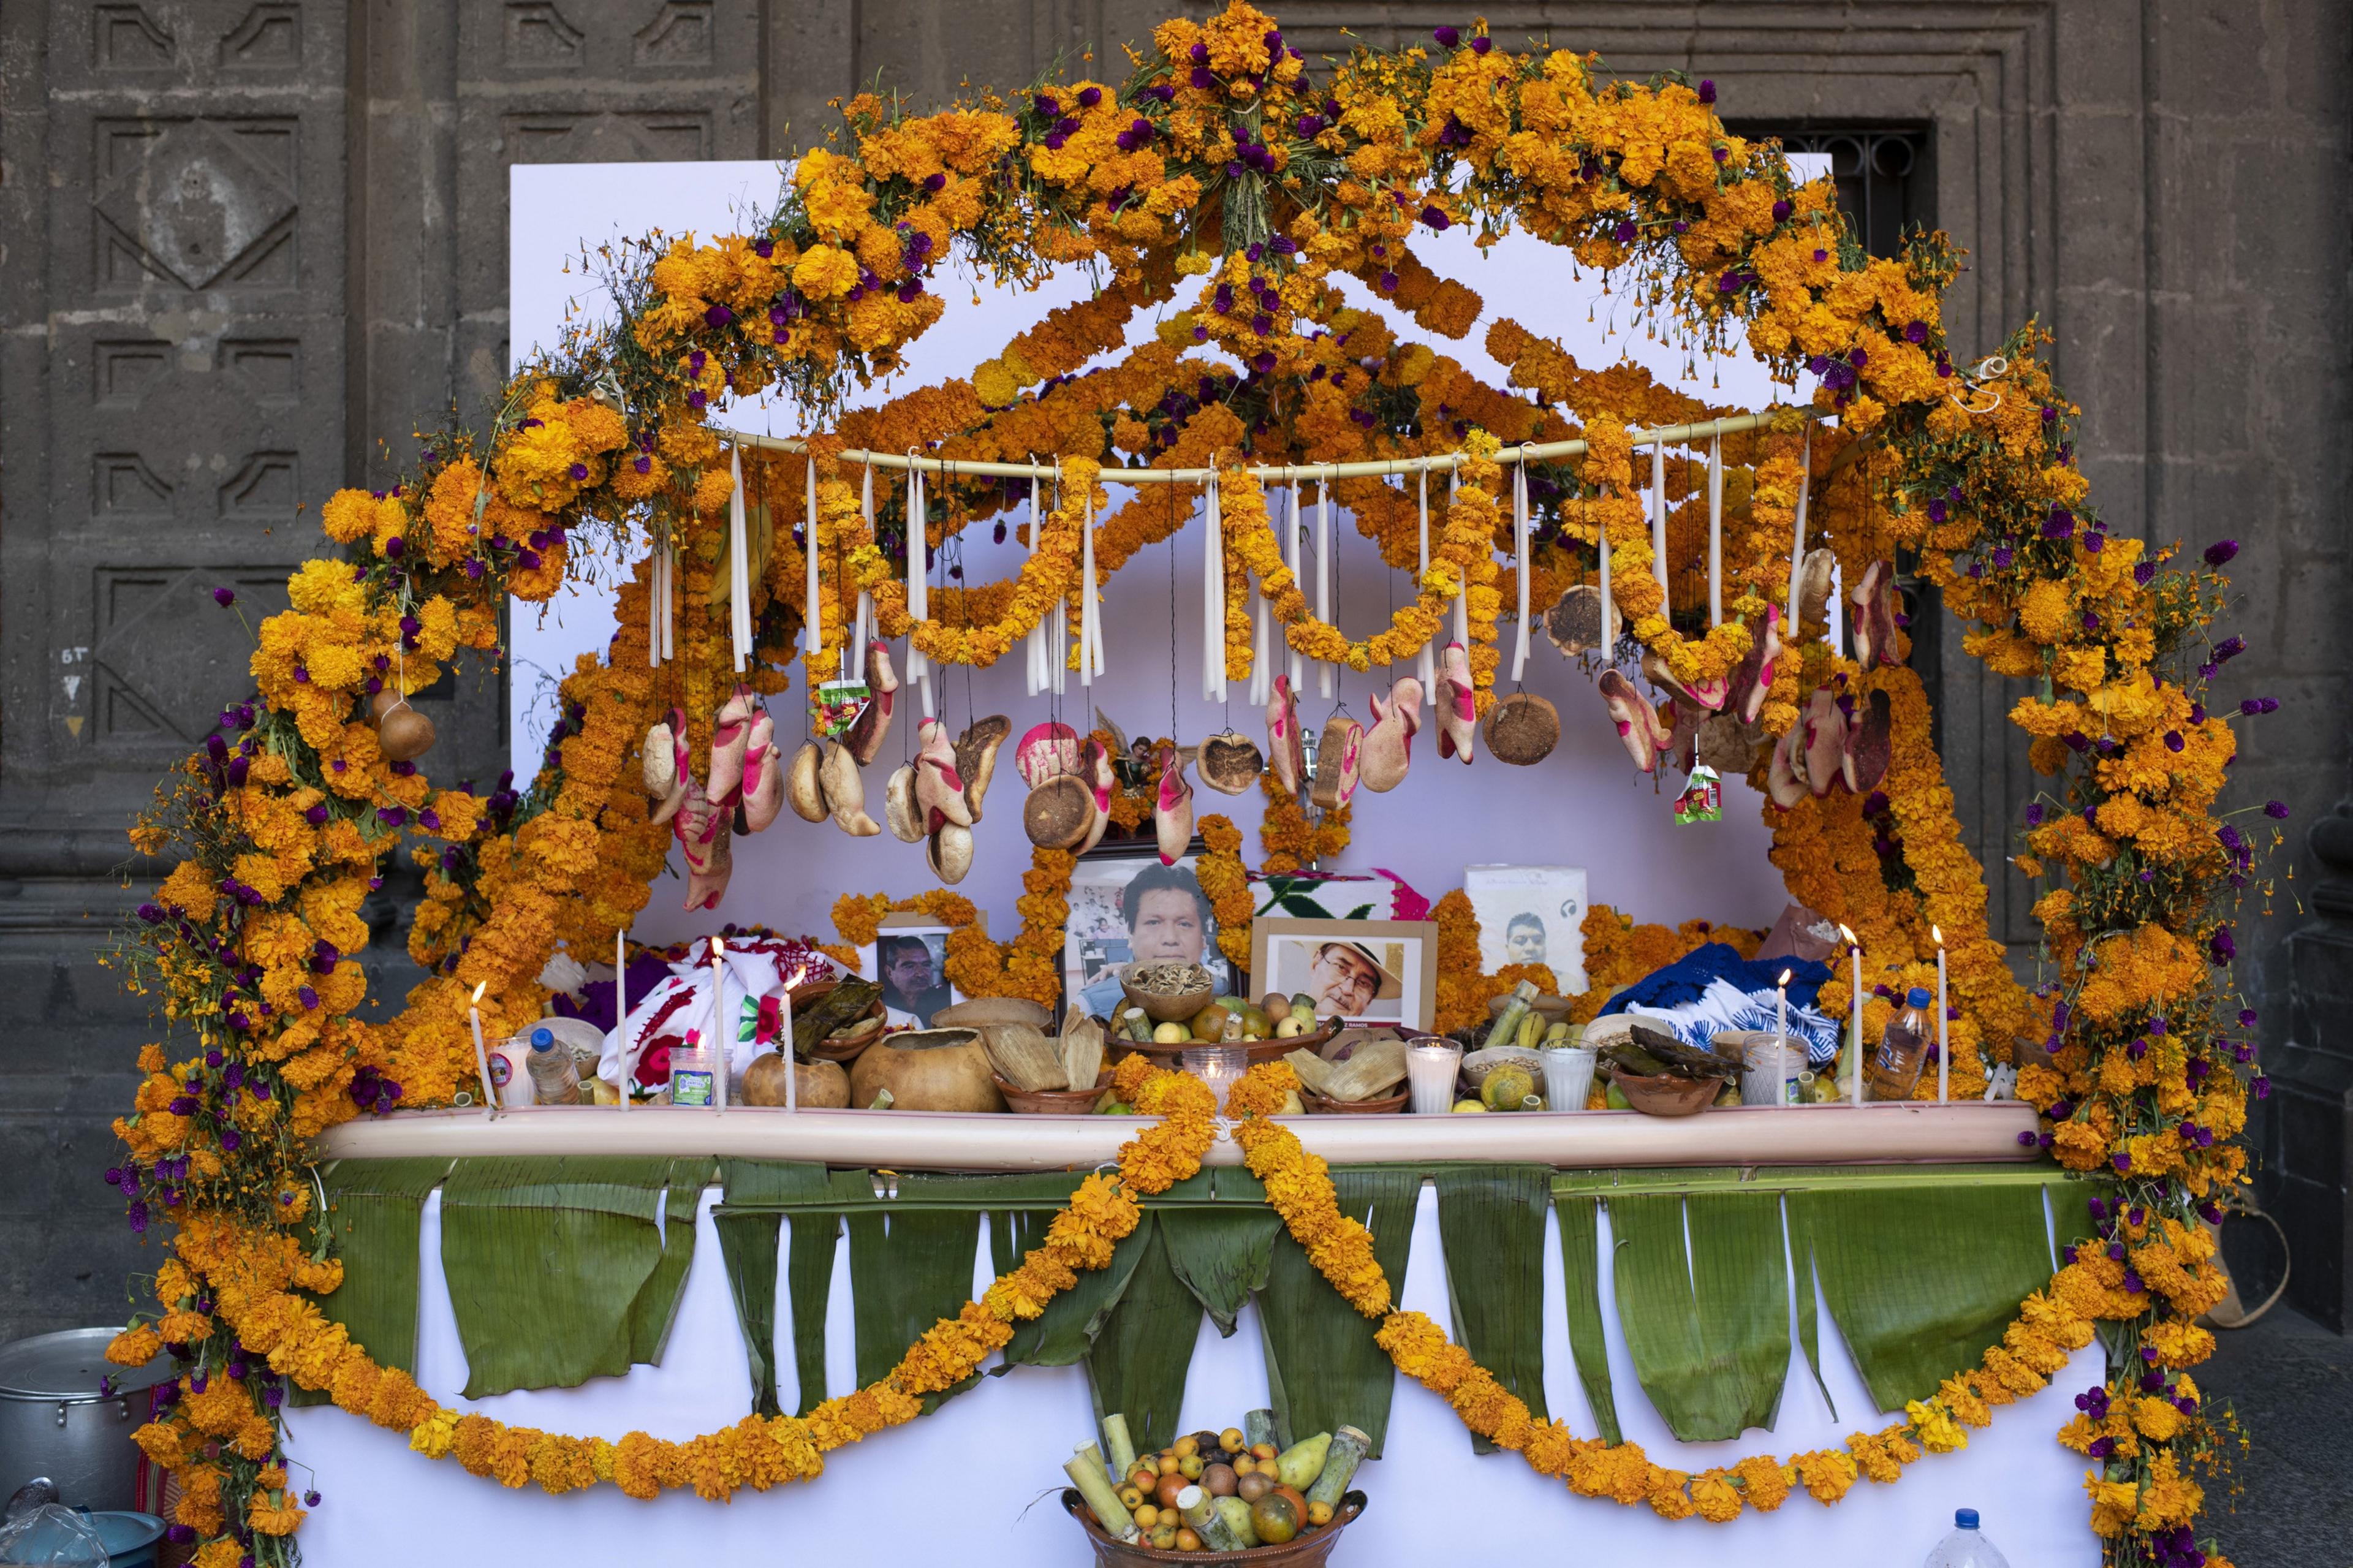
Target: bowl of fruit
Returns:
[[1216, 1497], [1271, 1030]]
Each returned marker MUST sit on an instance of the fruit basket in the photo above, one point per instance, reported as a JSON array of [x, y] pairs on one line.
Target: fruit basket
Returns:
[[1312, 1548], [1259, 1050]]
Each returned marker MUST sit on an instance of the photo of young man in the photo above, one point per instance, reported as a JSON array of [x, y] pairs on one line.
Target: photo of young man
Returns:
[[1167, 920], [913, 989]]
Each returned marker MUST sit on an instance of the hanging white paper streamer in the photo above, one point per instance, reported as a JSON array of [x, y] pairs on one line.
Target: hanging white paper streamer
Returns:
[[1798, 544], [670, 601], [1425, 663], [1659, 521], [919, 582], [1213, 592], [1609, 609], [1291, 559], [812, 622], [1462, 599], [739, 564], [1323, 577], [1034, 645], [1089, 637], [853, 652], [1059, 665], [1520, 553], [1715, 531], [1262, 684], [653, 607]]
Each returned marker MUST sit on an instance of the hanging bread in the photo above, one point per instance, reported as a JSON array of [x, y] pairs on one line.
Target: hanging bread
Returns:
[[1523, 729]]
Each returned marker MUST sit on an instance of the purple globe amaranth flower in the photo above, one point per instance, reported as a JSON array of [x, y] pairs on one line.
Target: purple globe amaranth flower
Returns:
[[1625, 231], [2276, 810], [223, 597], [1706, 89], [2221, 946], [2220, 552], [1435, 217], [1482, 44], [1089, 96], [1782, 208], [1447, 37]]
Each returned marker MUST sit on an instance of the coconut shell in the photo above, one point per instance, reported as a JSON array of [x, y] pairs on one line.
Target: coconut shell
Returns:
[[1230, 762], [1058, 813], [822, 1085], [1522, 730], [1574, 621], [927, 1069], [404, 733]]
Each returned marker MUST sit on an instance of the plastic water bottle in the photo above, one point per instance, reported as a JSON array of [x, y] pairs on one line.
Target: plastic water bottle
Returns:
[[1966, 1548], [1894, 1067], [555, 1077]]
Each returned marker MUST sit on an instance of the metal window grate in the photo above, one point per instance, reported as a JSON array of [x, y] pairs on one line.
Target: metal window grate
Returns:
[[1885, 185]]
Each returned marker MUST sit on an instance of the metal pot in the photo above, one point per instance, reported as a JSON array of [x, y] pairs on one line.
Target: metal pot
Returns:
[[55, 1422]]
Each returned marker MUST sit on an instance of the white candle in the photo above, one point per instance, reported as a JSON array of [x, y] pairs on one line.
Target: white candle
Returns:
[[1781, 1042], [738, 564], [482, 1057], [1798, 544], [1944, 1041], [621, 1006], [1425, 665], [1520, 555], [792, 1067], [1659, 519], [1324, 577], [1609, 639], [1715, 531], [718, 1019], [1854, 1021], [812, 619]]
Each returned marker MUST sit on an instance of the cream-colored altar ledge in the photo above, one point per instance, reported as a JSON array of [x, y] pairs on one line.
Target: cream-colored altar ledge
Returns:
[[1745, 1135]]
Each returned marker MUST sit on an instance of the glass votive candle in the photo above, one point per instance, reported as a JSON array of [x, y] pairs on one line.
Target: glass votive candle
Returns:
[[1430, 1071], [1220, 1067]]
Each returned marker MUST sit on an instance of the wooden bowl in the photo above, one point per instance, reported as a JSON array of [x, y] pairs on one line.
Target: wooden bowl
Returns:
[[1550, 1008], [1307, 1549], [1664, 1095], [1053, 1101], [1162, 1009], [1386, 1105], [1259, 1050]]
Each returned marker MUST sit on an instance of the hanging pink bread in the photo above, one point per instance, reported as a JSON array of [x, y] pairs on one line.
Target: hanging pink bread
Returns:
[[1783, 779], [666, 772], [1875, 615], [700, 828], [1046, 751], [1388, 744], [939, 788], [1172, 815], [1458, 704], [1824, 742], [1707, 695], [1752, 682], [872, 725], [1869, 745], [1637, 722], [1338, 758], [764, 776], [1286, 750], [845, 792], [731, 739], [1095, 770]]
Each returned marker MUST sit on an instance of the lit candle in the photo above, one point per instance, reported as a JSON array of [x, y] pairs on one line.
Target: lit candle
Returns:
[[1855, 1022], [1944, 1043], [718, 1034], [1781, 1042], [621, 1004], [482, 1057]]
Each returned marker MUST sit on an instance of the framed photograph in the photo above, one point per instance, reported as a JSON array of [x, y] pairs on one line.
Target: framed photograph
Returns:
[[909, 956], [1127, 907], [1530, 914], [1364, 972]]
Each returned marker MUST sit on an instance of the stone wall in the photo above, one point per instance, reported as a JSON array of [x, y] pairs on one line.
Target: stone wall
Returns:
[[252, 245]]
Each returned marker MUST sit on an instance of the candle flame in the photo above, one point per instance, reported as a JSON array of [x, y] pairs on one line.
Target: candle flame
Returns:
[[1784, 976], [1850, 941], [477, 995], [717, 947], [1938, 935]]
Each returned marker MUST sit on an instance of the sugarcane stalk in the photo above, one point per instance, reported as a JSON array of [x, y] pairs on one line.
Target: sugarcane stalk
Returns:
[[1258, 1427], [1349, 1447], [1087, 1475], [1120, 1447], [1199, 1512]]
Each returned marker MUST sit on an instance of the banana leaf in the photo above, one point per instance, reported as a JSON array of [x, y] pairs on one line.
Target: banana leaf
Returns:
[[373, 1211], [656, 1308], [1221, 1255], [1704, 1311], [1490, 1221], [1921, 1280], [2071, 1217], [908, 1269], [1322, 1368], [1137, 1363], [748, 1235], [546, 1257], [1580, 1268]]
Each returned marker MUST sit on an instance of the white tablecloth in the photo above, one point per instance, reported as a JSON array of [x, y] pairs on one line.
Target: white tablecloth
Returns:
[[975, 1483]]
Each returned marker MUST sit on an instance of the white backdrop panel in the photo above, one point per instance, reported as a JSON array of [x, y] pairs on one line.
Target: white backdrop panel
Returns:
[[1585, 805], [974, 1483]]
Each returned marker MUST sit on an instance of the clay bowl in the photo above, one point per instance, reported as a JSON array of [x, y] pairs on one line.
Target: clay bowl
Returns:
[[848, 1051], [1054, 1101], [1306, 1550], [1166, 1009], [1387, 1105], [1665, 1095]]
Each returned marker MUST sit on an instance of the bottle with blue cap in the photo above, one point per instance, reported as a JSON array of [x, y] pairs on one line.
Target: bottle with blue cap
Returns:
[[1894, 1067], [1966, 1547], [555, 1077]]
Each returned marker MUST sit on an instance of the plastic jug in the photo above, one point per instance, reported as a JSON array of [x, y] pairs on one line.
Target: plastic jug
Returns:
[[1966, 1547], [554, 1076]]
